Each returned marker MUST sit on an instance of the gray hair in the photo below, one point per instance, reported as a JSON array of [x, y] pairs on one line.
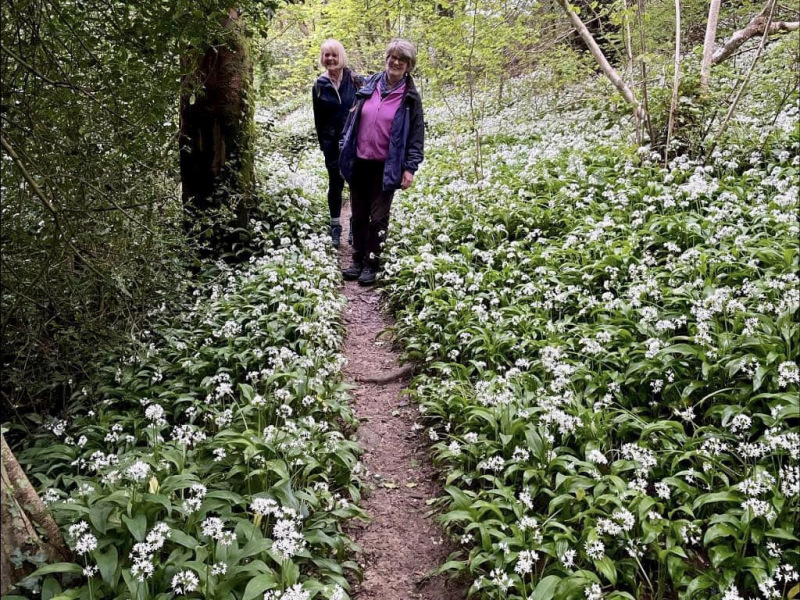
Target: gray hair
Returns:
[[405, 50]]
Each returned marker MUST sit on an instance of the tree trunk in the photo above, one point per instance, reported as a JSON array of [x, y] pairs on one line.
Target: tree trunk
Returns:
[[708, 44], [673, 105], [216, 155], [27, 527], [760, 24], [643, 66], [605, 66]]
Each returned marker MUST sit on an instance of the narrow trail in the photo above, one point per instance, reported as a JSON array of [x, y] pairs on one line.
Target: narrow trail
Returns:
[[400, 545]]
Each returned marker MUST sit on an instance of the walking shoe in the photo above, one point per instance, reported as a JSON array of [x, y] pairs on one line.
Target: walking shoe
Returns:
[[336, 235], [354, 271], [367, 276], [350, 233]]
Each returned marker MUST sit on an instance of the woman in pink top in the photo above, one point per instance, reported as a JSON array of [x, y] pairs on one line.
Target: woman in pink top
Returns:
[[382, 148]]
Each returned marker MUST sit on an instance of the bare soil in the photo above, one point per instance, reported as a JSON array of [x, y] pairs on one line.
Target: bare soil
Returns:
[[401, 545]]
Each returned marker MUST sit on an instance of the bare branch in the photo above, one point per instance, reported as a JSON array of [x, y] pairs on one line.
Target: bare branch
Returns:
[[770, 8], [605, 66], [758, 25]]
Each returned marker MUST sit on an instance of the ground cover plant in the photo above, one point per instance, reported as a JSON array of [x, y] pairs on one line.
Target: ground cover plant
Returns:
[[211, 458], [610, 348]]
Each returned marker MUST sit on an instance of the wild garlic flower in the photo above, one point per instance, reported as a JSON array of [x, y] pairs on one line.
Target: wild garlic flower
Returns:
[[500, 579], [185, 582], [90, 571], [568, 558], [593, 592], [296, 592], [264, 506], [788, 373], [187, 435], [138, 471], [595, 549], [526, 560]]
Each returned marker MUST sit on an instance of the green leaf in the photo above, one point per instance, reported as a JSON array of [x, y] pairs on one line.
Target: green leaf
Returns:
[[50, 588], [258, 585], [61, 567], [782, 534], [717, 531], [716, 497], [137, 526], [546, 588], [607, 569], [107, 563], [719, 554], [184, 539]]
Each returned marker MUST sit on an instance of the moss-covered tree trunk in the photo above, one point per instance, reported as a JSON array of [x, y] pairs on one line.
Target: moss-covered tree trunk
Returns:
[[216, 136], [29, 534]]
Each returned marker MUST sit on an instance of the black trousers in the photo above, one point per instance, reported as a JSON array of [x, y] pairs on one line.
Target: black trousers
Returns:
[[335, 187], [370, 205]]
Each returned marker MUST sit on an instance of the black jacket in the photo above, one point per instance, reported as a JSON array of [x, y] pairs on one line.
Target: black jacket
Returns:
[[331, 107], [407, 142]]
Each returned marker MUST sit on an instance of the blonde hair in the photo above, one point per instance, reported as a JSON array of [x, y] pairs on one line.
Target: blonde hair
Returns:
[[336, 46], [405, 50]]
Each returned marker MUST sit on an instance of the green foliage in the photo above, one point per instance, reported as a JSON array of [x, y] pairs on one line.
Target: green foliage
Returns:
[[91, 236], [210, 457], [611, 379]]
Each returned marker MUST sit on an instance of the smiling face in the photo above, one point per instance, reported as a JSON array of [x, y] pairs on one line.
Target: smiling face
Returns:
[[396, 66], [330, 59]]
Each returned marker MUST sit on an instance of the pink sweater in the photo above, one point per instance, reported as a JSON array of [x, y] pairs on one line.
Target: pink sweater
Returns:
[[375, 128]]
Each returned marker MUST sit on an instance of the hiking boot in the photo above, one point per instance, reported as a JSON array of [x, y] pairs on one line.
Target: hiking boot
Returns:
[[350, 233], [354, 271], [367, 276], [336, 235]]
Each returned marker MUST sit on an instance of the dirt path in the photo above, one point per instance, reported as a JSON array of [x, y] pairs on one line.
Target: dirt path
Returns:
[[400, 545]]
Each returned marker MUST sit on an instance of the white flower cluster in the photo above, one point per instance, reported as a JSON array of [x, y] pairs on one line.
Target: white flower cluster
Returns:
[[143, 553], [214, 528], [84, 541]]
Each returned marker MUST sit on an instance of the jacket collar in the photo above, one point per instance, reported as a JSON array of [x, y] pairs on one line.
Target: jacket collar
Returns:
[[371, 83], [323, 79]]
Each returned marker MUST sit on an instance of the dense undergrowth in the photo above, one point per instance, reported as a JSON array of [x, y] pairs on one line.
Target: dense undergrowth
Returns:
[[611, 343], [211, 458]]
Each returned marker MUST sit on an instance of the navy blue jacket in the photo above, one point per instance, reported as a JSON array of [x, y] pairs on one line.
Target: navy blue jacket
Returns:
[[407, 141], [331, 107]]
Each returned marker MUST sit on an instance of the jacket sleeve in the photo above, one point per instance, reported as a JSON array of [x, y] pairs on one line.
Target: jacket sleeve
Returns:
[[318, 125], [415, 147]]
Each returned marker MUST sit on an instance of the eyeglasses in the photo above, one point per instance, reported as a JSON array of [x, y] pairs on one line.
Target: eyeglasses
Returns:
[[395, 58]]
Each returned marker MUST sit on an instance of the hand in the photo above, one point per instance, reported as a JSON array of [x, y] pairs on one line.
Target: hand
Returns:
[[408, 178]]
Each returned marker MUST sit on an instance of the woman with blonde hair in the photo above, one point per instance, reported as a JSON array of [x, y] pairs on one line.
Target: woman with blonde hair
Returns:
[[382, 149], [333, 95]]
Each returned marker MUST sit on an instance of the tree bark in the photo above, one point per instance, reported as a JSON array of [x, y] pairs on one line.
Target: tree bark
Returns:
[[673, 105], [216, 155], [708, 44], [759, 25], [27, 527], [605, 66]]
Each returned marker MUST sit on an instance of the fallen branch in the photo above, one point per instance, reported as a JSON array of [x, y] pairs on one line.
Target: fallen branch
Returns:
[[759, 25]]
